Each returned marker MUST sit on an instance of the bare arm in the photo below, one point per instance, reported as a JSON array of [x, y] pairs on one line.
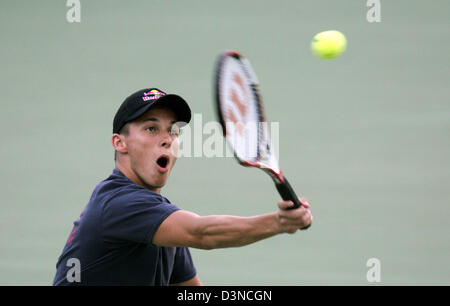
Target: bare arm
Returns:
[[183, 228]]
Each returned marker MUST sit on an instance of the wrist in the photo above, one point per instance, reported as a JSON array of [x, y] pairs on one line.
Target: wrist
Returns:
[[276, 227]]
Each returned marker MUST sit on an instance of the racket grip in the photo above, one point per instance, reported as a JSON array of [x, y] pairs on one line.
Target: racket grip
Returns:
[[287, 193]]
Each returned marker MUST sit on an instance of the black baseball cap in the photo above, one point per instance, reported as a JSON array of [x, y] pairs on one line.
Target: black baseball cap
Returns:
[[141, 101]]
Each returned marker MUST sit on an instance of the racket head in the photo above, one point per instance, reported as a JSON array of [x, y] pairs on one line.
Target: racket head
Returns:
[[241, 114]]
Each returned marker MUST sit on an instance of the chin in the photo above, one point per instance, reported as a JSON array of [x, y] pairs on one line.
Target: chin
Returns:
[[150, 182], [153, 186]]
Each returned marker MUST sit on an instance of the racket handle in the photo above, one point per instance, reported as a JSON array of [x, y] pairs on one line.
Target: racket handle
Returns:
[[287, 193]]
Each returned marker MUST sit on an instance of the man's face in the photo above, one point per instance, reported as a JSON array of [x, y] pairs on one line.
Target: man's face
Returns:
[[152, 147]]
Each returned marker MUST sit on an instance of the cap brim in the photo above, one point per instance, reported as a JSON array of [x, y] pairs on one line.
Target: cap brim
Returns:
[[178, 105]]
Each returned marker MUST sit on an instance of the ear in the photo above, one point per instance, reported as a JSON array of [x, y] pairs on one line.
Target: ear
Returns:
[[119, 143]]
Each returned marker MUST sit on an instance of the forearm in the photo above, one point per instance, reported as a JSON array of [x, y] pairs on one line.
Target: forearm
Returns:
[[231, 231]]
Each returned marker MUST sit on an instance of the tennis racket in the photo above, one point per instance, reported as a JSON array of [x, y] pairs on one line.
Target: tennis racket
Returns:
[[241, 114]]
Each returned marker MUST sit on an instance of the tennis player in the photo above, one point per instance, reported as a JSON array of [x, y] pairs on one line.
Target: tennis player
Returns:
[[128, 233]]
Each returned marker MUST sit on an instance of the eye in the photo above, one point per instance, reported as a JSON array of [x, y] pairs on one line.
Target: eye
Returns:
[[151, 129]]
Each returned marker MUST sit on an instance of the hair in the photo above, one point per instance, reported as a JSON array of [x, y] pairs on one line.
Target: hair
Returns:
[[123, 131]]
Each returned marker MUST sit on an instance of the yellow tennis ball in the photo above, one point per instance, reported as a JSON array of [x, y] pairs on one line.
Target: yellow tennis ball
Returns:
[[328, 44]]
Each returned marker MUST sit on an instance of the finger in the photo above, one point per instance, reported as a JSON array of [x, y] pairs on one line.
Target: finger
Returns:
[[307, 219], [284, 205], [304, 202], [293, 214]]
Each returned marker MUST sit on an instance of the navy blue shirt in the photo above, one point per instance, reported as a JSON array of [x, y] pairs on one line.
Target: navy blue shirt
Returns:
[[111, 241]]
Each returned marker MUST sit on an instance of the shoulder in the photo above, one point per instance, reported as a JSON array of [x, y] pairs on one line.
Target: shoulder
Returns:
[[118, 195], [131, 212], [136, 198], [117, 189]]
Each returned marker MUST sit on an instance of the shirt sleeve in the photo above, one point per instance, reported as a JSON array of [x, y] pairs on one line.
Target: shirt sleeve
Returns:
[[183, 268], [134, 217]]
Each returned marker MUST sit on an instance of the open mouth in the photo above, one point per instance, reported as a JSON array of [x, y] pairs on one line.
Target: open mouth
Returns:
[[163, 162]]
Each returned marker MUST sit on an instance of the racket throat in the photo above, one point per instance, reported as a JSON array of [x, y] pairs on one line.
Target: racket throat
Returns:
[[277, 177]]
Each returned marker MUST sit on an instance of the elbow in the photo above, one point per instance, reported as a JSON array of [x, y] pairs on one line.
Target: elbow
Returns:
[[201, 239], [202, 243], [205, 243], [211, 233], [201, 236], [207, 247]]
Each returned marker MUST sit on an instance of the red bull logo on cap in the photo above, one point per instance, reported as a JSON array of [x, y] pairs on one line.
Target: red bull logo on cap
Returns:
[[152, 95]]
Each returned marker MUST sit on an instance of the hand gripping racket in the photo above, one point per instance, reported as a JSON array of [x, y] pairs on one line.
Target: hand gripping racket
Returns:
[[241, 114]]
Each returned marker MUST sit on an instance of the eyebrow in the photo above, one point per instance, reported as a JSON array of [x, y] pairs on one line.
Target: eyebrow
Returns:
[[149, 119], [153, 119]]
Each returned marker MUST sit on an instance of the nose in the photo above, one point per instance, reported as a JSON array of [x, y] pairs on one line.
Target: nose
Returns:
[[166, 140]]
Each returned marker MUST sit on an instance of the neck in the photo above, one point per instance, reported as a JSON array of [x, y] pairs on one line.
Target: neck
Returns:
[[134, 177]]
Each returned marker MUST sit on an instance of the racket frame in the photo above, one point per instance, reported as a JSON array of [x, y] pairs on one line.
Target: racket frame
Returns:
[[281, 183]]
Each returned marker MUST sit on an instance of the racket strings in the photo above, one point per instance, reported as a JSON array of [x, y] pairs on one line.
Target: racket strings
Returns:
[[241, 112]]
